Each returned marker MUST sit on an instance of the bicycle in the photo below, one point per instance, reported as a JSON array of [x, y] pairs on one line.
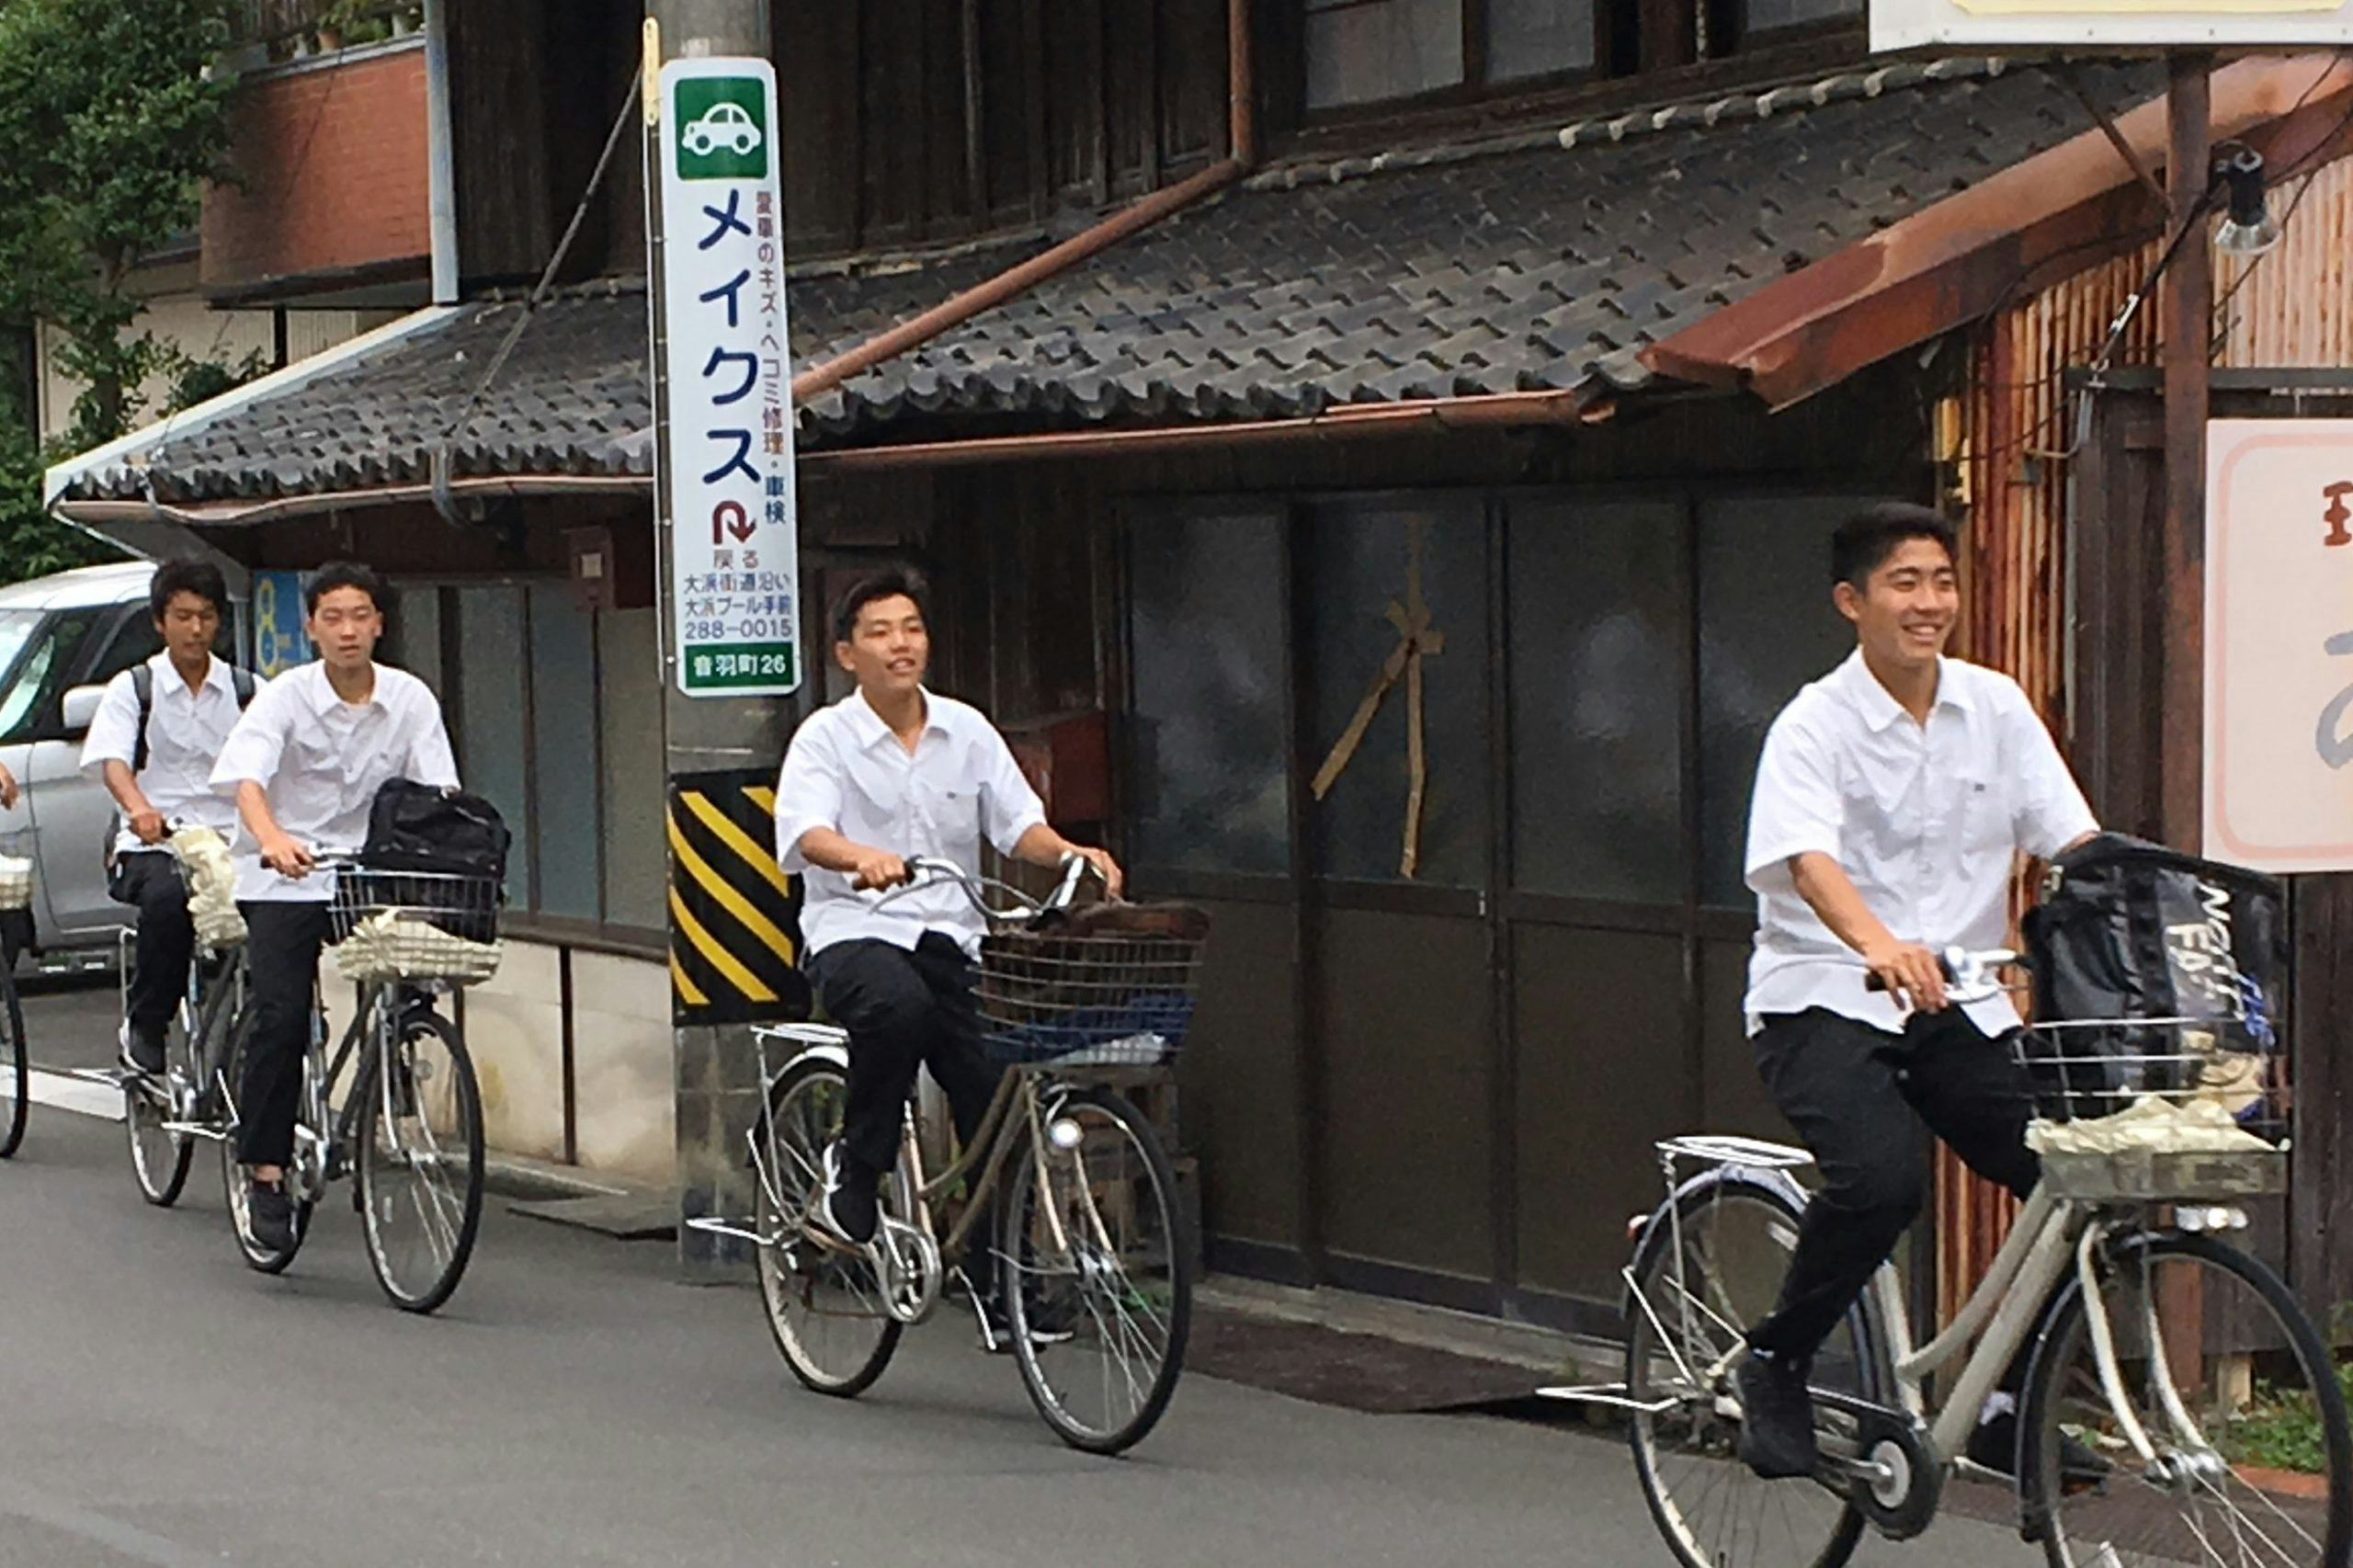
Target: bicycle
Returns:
[[165, 1115], [409, 1127], [15, 1072], [2163, 1350], [1095, 1251]]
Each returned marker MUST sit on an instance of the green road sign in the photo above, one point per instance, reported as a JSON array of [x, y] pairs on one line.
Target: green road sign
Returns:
[[722, 128]]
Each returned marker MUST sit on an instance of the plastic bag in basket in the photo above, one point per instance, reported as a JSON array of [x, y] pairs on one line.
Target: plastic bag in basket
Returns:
[[16, 882], [211, 887], [392, 945]]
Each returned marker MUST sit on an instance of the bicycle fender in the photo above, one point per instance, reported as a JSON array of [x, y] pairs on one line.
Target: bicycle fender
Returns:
[[2034, 1508], [1781, 1184]]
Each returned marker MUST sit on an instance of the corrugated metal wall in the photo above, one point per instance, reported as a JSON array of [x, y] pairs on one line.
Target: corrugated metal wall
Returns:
[[2011, 435]]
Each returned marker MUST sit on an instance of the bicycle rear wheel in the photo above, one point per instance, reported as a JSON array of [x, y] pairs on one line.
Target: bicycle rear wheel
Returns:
[[160, 1158], [1097, 1272], [420, 1162], [2224, 1372], [823, 1305], [15, 1073], [1735, 1234]]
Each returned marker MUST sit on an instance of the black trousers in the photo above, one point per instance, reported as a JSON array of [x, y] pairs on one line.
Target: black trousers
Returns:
[[282, 948], [1860, 1098], [149, 881], [903, 1010]]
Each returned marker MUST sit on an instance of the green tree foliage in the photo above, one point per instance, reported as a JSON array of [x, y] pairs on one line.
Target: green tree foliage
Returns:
[[112, 116]]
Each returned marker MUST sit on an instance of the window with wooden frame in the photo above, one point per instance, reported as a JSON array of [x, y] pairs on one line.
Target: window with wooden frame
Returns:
[[1359, 53]]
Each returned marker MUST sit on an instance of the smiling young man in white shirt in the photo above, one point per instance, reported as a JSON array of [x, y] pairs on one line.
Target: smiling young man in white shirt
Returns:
[[891, 772], [304, 765], [1892, 800], [158, 766]]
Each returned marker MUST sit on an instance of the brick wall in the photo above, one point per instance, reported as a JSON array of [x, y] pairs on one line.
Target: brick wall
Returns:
[[332, 166]]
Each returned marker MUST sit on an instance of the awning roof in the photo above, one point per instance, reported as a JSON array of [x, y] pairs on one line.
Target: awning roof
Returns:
[[1543, 264]]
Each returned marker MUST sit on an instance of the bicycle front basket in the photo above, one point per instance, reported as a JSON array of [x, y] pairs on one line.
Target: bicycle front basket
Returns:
[[414, 926], [1113, 985]]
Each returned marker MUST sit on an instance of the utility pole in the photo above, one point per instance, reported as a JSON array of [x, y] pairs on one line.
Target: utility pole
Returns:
[[2189, 328], [716, 1082]]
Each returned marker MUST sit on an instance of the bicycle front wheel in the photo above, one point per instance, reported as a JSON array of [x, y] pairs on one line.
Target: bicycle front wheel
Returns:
[[1708, 1266], [420, 1162], [1097, 1272], [160, 1157], [2224, 1373], [823, 1304], [15, 1086]]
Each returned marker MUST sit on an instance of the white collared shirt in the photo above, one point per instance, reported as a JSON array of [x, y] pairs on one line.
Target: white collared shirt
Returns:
[[184, 732], [846, 771], [322, 759], [1927, 820]]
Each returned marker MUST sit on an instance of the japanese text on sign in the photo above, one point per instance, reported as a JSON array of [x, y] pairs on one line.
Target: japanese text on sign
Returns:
[[735, 556], [2279, 643]]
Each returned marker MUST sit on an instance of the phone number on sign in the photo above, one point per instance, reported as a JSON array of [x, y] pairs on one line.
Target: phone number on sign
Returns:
[[751, 629]]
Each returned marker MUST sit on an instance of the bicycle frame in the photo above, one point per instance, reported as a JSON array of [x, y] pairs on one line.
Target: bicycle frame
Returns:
[[2050, 1236], [381, 1006]]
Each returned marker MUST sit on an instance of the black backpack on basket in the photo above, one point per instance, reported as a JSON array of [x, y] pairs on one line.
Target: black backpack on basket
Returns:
[[2131, 930], [415, 827]]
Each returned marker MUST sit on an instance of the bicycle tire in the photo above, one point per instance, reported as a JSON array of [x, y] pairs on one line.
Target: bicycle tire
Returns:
[[1030, 1294], [16, 1072], [160, 1160], [383, 1170], [1688, 1213], [798, 1124], [2047, 1509], [235, 1182]]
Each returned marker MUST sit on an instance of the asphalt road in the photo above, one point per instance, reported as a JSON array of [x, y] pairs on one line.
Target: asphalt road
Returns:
[[160, 1405]]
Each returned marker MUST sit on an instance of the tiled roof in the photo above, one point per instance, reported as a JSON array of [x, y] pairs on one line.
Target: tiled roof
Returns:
[[1540, 263]]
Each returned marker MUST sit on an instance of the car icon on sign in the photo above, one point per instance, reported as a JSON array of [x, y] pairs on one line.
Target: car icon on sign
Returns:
[[726, 126]]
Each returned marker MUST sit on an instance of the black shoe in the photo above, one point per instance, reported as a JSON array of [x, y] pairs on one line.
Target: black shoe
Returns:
[[1050, 1324], [269, 1213], [1776, 1417], [1995, 1447], [142, 1049], [846, 1207]]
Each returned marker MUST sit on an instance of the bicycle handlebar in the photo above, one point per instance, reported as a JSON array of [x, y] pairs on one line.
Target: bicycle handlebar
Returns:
[[924, 869], [1969, 977]]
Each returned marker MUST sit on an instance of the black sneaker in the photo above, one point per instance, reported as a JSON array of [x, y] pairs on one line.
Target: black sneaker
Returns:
[[1049, 1325], [142, 1049], [269, 1211], [1776, 1417], [846, 1207], [1995, 1447]]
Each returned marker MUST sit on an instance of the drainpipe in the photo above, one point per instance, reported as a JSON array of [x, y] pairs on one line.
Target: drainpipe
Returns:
[[441, 156], [1242, 143]]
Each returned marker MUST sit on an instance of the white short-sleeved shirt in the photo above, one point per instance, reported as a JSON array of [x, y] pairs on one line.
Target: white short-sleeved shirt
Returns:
[[845, 770], [322, 759], [1927, 820], [184, 732]]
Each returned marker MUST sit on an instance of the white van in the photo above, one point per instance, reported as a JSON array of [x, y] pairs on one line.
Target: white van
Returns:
[[62, 639]]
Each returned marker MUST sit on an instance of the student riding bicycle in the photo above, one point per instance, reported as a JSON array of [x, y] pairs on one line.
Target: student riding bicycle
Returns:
[[304, 765], [1892, 800], [159, 732], [891, 772]]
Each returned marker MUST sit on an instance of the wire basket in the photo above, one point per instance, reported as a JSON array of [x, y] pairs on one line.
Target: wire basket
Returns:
[[1119, 992], [414, 926], [2156, 1107]]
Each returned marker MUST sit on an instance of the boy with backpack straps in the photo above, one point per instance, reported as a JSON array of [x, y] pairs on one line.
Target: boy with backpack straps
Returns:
[[159, 732]]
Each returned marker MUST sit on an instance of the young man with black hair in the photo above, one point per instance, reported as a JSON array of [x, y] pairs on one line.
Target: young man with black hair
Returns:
[[304, 765], [891, 772], [1892, 800], [159, 732]]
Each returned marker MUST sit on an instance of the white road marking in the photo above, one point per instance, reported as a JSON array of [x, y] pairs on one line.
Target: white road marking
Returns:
[[79, 1095]]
